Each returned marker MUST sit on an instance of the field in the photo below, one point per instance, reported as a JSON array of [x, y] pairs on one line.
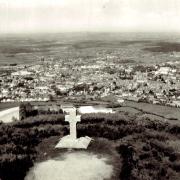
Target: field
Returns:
[[127, 47], [160, 111], [9, 115], [7, 105]]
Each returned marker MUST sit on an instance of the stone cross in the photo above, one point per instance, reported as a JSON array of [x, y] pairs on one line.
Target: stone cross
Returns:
[[72, 118], [71, 140]]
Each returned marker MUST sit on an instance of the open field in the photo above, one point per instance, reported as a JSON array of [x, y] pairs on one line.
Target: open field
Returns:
[[127, 47], [7, 116], [166, 111], [164, 47], [7, 105]]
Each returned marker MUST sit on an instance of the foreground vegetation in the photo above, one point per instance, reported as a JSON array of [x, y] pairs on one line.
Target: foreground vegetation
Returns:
[[149, 149]]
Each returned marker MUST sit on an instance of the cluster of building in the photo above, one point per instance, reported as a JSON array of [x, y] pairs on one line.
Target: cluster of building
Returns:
[[93, 79]]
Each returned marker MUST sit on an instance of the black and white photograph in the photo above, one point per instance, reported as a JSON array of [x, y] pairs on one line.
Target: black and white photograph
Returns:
[[89, 89]]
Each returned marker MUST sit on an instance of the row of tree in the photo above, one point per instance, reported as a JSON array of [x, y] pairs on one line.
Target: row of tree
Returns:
[[28, 110]]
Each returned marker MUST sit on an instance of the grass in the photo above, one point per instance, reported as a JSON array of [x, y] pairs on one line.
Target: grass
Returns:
[[164, 47], [164, 111], [24, 49], [137, 149], [7, 105]]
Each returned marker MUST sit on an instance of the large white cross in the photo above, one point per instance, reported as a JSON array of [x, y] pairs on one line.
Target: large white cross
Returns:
[[71, 140], [72, 118]]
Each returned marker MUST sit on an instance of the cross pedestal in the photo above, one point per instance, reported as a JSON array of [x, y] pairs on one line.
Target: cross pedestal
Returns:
[[71, 140]]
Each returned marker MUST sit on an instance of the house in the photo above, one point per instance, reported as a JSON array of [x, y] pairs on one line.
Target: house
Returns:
[[21, 73], [163, 71], [176, 103]]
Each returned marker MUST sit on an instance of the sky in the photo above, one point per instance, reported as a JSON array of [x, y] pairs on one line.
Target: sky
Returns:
[[31, 16]]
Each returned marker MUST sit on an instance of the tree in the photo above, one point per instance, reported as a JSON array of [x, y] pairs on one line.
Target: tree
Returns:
[[22, 111], [51, 98]]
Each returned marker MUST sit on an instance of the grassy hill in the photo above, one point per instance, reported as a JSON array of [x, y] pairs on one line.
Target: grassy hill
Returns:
[[146, 148]]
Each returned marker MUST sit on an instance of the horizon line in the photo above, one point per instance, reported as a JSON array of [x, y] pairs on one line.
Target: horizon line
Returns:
[[90, 32]]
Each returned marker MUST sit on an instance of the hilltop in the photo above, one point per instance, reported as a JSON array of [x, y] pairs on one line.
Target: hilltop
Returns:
[[147, 148]]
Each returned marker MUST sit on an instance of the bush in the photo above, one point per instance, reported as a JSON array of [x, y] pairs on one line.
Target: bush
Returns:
[[144, 145]]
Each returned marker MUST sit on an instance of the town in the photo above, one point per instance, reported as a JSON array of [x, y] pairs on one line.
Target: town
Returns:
[[92, 79]]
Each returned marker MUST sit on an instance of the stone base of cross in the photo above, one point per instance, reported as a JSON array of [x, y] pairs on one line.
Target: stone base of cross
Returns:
[[71, 140]]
